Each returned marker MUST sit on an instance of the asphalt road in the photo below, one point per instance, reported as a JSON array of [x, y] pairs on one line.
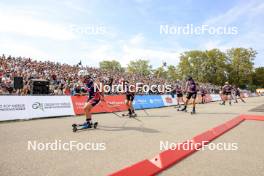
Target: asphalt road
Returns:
[[127, 141]]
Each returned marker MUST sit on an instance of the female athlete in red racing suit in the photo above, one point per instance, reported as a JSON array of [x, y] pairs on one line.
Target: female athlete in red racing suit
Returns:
[[94, 97]]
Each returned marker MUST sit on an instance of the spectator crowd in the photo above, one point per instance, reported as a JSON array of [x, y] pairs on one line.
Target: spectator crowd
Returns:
[[64, 78]]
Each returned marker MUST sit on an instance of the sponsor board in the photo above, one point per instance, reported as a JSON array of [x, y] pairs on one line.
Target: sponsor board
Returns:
[[111, 104], [215, 97], [26, 107], [148, 101], [168, 100]]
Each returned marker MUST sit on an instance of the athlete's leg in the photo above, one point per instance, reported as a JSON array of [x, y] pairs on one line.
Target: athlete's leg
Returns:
[[242, 98], [129, 107], [194, 103], [235, 97], [87, 110], [203, 99], [194, 96], [230, 99], [224, 98], [179, 100], [131, 104], [188, 97]]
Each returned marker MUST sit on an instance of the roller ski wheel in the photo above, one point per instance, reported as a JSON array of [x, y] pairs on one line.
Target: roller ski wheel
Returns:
[[193, 112], [84, 126], [74, 128], [123, 115], [95, 125]]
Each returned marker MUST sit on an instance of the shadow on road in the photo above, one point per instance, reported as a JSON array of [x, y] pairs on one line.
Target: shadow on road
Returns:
[[126, 128]]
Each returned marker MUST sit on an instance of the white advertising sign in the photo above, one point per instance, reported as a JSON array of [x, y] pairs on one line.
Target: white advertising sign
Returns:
[[26, 107], [168, 100], [215, 97]]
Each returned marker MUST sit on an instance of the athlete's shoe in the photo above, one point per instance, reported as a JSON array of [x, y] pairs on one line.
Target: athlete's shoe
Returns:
[[183, 109], [87, 124], [133, 115]]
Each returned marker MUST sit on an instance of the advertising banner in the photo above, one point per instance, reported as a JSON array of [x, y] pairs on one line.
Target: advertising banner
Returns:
[[27, 107], [148, 101], [168, 100], [215, 97], [111, 104]]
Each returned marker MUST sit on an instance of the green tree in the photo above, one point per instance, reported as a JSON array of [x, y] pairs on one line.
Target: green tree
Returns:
[[241, 66], [110, 65], [215, 67], [160, 72], [139, 67], [258, 77], [193, 63], [172, 73], [184, 66]]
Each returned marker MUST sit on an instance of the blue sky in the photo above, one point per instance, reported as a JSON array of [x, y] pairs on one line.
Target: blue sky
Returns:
[[95, 30]]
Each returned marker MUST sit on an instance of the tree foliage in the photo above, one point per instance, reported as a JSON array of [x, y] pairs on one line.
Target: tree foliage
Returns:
[[139, 67], [241, 65], [214, 66], [258, 77], [110, 65]]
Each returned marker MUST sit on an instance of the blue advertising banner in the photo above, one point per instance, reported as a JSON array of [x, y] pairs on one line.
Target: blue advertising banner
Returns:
[[148, 101]]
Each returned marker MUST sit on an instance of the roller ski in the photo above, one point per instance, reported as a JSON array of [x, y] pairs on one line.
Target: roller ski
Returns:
[[182, 109], [86, 125], [177, 106], [134, 115], [124, 115], [129, 115]]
